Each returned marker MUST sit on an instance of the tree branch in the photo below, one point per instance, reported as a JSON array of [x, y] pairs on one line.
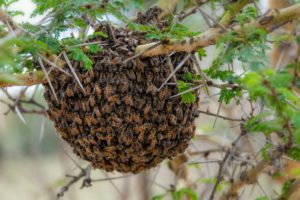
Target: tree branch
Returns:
[[250, 176], [267, 22], [5, 19], [294, 190], [24, 79]]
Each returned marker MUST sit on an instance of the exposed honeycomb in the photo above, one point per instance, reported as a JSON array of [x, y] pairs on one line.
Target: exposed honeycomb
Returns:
[[120, 121]]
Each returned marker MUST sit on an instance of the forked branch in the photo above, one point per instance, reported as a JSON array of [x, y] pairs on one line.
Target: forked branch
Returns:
[[268, 22]]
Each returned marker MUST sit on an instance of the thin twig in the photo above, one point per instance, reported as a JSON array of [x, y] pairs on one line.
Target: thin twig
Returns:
[[73, 71], [176, 69], [47, 77], [220, 116]]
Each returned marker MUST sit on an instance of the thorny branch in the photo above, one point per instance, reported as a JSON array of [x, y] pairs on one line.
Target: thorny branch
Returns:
[[250, 176], [84, 174], [268, 22], [222, 165], [17, 104]]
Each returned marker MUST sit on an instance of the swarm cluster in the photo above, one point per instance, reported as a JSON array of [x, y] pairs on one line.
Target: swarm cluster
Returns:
[[120, 121]]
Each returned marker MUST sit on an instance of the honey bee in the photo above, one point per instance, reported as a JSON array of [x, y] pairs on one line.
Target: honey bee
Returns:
[[115, 61], [90, 120], [147, 109], [125, 139], [139, 88], [140, 103], [154, 115], [114, 99], [53, 114], [109, 139], [139, 65], [100, 136], [171, 134], [74, 130], [69, 92], [160, 105], [169, 107], [116, 121], [92, 101], [88, 90], [124, 86], [78, 120], [63, 135], [135, 118], [179, 112], [83, 106], [185, 118], [122, 49], [81, 141], [162, 127], [88, 150], [106, 108], [97, 152], [128, 100], [141, 135], [79, 153], [152, 138], [131, 75], [111, 149], [92, 140], [138, 76], [102, 78], [91, 74], [87, 80], [97, 111], [159, 137], [163, 94], [98, 91], [173, 119], [151, 88], [64, 104], [108, 91], [188, 129]]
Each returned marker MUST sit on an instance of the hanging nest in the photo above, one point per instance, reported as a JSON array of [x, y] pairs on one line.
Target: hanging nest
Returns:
[[120, 121]]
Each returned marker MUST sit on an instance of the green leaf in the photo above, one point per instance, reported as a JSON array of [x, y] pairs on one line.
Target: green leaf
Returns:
[[94, 48], [226, 95], [78, 55], [259, 123], [294, 153], [98, 33], [285, 188], [253, 83], [262, 198], [201, 53], [188, 97], [187, 192], [80, 23], [280, 79], [158, 197], [188, 76], [298, 39]]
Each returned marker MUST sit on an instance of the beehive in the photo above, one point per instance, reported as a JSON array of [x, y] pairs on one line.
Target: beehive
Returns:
[[121, 121]]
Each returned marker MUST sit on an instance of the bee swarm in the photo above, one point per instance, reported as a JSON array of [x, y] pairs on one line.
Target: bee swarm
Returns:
[[120, 121]]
